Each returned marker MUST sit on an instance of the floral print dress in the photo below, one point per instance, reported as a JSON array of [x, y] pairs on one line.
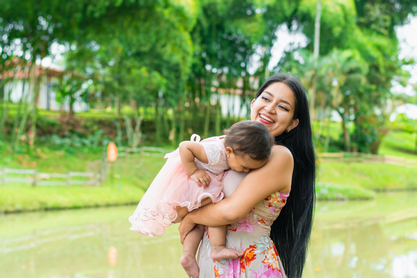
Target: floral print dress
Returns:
[[251, 235]]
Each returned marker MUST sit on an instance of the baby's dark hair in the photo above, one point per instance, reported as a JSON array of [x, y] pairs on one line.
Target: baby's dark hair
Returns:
[[250, 138]]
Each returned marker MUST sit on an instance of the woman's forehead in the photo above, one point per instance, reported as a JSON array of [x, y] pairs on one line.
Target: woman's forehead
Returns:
[[281, 92]]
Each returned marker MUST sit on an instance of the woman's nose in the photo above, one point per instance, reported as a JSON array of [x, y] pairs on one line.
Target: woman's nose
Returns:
[[270, 108]]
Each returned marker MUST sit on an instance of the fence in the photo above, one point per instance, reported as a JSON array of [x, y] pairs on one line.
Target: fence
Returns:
[[142, 151], [32, 176], [97, 175], [368, 158]]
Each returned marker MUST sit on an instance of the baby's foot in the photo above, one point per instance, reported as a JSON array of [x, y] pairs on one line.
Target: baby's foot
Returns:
[[190, 265], [219, 253]]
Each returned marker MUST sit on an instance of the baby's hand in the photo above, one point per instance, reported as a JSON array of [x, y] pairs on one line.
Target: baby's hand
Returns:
[[201, 178]]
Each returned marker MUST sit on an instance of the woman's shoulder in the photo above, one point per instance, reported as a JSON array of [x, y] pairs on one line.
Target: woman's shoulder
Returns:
[[281, 153]]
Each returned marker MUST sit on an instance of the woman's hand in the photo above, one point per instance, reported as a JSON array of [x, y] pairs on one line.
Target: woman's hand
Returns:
[[185, 228]]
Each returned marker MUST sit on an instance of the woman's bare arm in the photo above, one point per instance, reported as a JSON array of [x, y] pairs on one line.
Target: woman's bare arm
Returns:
[[276, 175]]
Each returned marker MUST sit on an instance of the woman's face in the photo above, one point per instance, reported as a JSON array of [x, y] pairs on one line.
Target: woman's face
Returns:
[[275, 108]]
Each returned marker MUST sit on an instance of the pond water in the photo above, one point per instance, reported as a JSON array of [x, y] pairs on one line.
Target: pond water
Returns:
[[350, 239]]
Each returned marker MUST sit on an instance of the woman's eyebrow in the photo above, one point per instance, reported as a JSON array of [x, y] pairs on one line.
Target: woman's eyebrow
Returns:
[[284, 101]]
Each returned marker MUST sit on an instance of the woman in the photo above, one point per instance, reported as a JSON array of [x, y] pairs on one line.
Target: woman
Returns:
[[253, 208]]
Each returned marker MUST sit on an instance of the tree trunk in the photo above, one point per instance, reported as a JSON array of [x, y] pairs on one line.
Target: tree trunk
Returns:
[[317, 30], [415, 148], [327, 141], [71, 107], [312, 91], [16, 119], [207, 120], [218, 115], [137, 131], [32, 134], [117, 106], [22, 126], [345, 132], [182, 111], [5, 109]]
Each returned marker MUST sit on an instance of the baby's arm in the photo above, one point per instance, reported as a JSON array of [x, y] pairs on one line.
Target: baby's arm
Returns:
[[188, 151]]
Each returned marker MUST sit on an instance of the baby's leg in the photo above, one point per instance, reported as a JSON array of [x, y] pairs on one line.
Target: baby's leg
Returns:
[[182, 211], [189, 251], [219, 251]]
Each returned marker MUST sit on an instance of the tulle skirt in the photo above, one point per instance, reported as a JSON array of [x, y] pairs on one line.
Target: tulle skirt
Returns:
[[172, 187]]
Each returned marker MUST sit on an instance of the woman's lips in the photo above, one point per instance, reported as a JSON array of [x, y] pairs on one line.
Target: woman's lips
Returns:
[[265, 119]]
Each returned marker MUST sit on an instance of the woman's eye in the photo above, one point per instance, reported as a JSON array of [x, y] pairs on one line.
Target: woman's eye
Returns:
[[265, 98], [283, 107]]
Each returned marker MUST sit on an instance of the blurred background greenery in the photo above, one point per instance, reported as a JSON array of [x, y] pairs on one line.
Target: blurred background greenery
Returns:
[[77, 75]]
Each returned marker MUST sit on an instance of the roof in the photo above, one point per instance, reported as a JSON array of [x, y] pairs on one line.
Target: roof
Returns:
[[23, 70]]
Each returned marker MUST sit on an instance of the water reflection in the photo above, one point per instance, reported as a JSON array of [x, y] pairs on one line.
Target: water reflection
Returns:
[[365, 239], [350, 239]]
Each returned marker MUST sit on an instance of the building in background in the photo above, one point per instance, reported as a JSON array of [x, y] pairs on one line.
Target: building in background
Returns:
[[20, 83]]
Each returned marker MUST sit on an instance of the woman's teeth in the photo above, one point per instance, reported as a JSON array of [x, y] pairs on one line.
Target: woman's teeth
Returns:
[[265, 118]]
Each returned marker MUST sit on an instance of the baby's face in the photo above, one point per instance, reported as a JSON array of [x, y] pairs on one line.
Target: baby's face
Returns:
[[244, 163]]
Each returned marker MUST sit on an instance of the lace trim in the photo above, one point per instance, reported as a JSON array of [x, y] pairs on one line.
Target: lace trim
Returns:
[[163, 218]]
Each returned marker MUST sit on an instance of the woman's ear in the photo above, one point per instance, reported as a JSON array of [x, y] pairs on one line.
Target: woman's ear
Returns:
[[294, 124], [251, 104]]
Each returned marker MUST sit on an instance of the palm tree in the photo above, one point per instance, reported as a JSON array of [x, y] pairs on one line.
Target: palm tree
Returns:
[[345, 74], [309, 69]]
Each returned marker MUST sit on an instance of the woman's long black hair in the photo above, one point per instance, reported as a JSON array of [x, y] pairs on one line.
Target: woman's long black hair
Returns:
[[291, 230]]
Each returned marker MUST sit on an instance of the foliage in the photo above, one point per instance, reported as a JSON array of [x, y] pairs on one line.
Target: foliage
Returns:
[[403, 123], [179, 58], [69, 87]]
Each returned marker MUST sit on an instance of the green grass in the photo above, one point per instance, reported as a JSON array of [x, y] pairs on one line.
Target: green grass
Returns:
[[377, 176], [91, 114], [24, 198], [342, 192], [399, 144], [47, 160]]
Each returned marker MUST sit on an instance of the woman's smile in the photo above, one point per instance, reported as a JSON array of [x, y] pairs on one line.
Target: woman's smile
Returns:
[[265, 119]]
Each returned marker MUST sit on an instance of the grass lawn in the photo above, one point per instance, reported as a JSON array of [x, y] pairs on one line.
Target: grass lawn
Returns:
[[92, 113], [25, 198], [377, 176], [342, 192], [399, 144]]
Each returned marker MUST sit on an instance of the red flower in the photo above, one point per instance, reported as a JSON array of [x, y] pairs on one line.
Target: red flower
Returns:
[[248, 256], [216, 272]]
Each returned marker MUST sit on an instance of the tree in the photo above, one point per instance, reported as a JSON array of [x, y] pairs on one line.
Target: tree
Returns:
[[346, 73]]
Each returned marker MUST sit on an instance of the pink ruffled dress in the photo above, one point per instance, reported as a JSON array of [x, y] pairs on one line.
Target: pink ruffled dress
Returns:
[[173, 187]]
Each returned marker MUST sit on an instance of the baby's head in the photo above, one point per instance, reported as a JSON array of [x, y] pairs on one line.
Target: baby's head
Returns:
[[248, 145]]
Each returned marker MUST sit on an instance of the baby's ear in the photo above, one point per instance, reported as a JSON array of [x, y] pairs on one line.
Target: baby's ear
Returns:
[[229, 150]]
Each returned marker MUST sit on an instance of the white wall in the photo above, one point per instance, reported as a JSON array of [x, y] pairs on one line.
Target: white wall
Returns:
[[232, 103], [46, 93]]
